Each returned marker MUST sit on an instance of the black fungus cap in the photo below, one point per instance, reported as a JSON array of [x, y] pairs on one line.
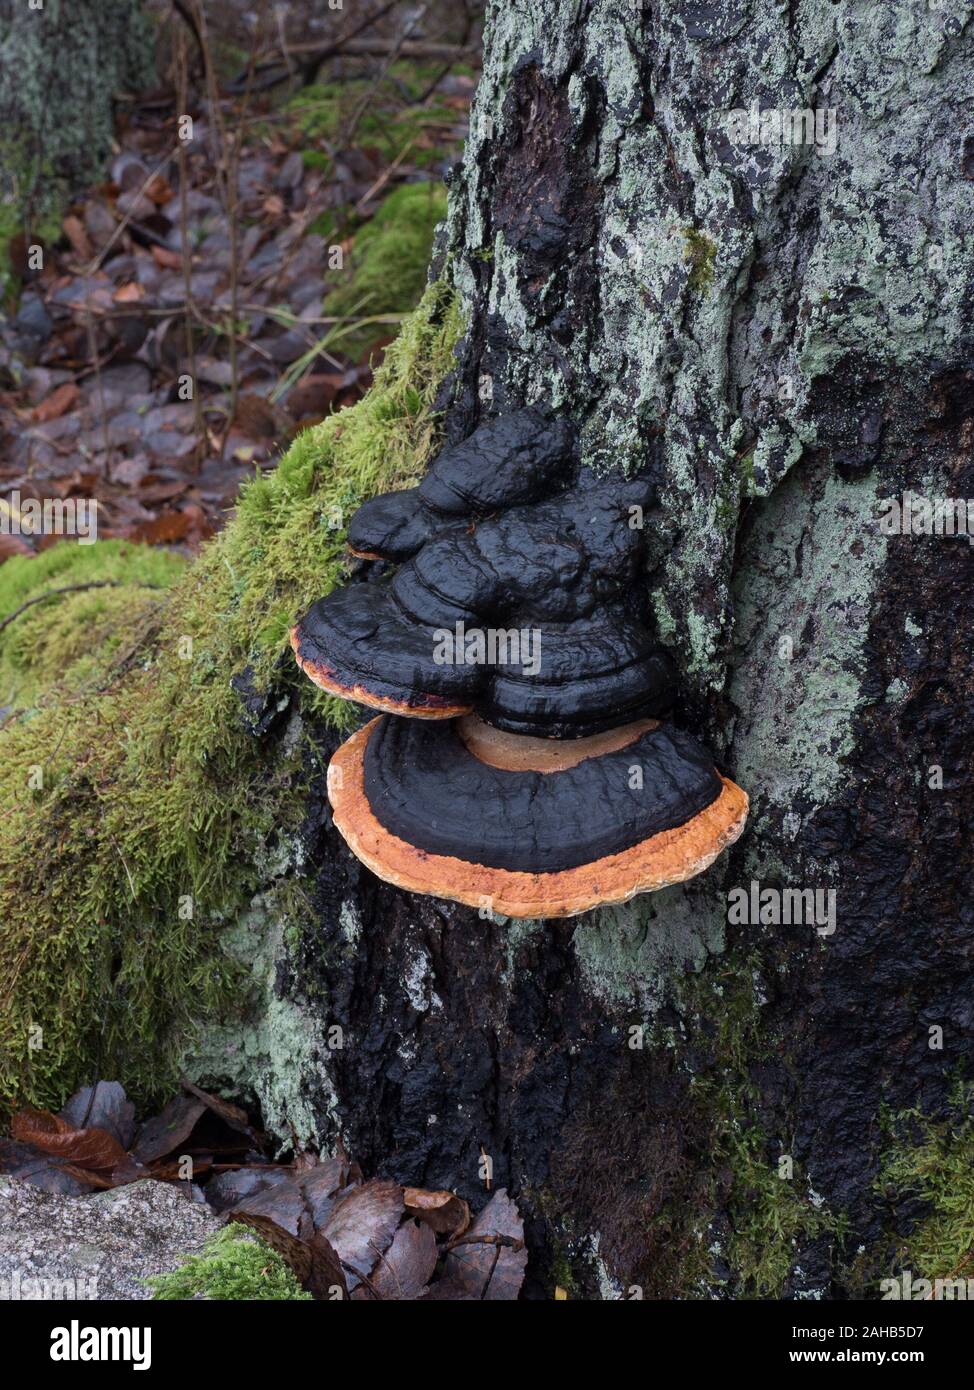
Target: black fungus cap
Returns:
[[517, 601], [439, 809], [541, 600], [427, 788]]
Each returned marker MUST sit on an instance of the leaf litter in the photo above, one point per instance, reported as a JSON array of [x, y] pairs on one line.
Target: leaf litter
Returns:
[[136, 291], [342, 1235]]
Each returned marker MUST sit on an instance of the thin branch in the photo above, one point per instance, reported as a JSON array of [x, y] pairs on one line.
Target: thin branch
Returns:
[[182, 100], [231, 150], [190, 21], [67, 589], [394, 51], [317, 56], [96, 367], [491, 1238]]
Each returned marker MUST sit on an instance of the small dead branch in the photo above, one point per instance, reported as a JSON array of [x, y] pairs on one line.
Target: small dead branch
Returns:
[[271, 74], [182, 99], [65, 589]]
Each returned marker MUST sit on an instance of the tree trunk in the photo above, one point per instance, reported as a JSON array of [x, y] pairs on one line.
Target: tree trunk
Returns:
[[61, 65], [787, 330]]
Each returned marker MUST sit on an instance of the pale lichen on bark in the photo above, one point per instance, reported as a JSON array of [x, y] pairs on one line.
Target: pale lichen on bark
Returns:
[[816, 255], [819, 277]]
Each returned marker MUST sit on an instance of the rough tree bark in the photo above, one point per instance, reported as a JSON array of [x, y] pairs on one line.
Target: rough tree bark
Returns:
[[787, 333], [61, 65]]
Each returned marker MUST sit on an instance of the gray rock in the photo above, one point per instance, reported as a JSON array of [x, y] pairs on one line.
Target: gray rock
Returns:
[[103, 1245]]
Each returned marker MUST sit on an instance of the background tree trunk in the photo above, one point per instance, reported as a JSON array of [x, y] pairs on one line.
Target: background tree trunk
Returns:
[[787, 333], [61, 65]]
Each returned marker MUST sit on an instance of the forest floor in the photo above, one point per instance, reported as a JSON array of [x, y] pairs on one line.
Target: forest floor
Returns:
[[214, 295], [117, 1188]]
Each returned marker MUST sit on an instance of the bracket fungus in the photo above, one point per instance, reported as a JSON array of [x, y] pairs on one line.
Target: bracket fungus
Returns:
[[520, 761]]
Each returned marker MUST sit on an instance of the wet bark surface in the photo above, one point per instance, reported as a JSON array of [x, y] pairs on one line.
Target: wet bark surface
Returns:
[[472, 1037]]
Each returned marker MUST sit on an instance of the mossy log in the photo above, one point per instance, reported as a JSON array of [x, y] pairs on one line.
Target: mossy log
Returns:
[[684, 1101]]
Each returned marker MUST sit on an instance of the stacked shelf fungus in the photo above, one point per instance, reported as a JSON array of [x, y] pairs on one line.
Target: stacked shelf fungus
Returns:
[[521, 762]]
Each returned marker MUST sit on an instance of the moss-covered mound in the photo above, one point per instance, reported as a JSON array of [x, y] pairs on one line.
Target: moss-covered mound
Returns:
[[136, 808], [79, 607]]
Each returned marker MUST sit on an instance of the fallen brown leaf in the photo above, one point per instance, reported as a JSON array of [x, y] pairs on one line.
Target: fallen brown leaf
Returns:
[[159, 191], [315, 1264], [104, 1106], [256, 417], [404, 1271], [478, 1267], [41, 1170], [326, 1278], [362, 1223], [73, 229], [229, 1113], [166, 259], [293, 1251], [165, 529], [13, 545], [319, 1186], [282, 1204], [163, 1134], [129, 293], [62, 399], [231, 1189], [92, 1149], [443, 1212]]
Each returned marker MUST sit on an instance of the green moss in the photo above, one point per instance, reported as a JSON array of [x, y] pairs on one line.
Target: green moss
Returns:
[[9, 226], [560, 1272], [746, 471], [934, 1160], [769, 1215], [700, 252], [137, 814], [69, 637], [233, 1264], [387, 269], [384, 125]]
